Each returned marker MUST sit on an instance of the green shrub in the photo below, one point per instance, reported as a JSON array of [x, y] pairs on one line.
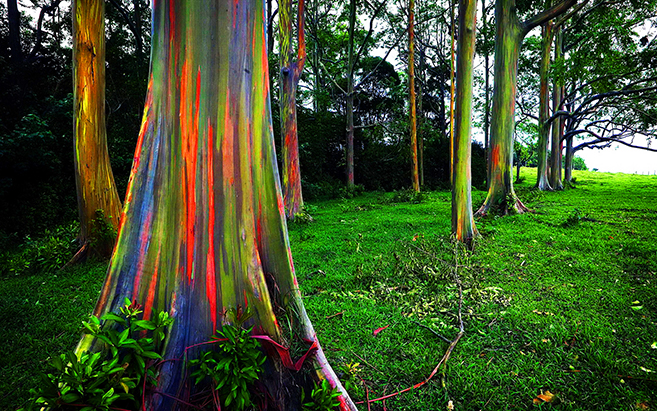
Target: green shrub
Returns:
[[110, 377], [47, 253]]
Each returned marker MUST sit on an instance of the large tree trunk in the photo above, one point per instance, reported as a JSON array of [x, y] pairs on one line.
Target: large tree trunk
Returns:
[[411, 89], [14, 17], [542, 182], [93, 173], [557, 126], [510, 33], [291, 65], [203, 228], [420, 137], [463, 226], [350, 96], [507, 45]]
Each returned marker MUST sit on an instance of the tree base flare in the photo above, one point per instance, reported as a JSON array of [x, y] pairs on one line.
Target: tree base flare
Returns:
[[510, 205]]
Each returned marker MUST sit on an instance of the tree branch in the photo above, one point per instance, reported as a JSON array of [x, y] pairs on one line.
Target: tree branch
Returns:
[[547, 15]]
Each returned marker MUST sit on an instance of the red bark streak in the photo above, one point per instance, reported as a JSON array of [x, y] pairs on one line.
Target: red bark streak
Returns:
[[211, 286]]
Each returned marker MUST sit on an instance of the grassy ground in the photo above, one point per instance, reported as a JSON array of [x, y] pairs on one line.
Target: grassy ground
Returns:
[[560, 300]]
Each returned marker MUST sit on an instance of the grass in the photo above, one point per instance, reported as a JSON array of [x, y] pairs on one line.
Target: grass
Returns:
[[560, 300]]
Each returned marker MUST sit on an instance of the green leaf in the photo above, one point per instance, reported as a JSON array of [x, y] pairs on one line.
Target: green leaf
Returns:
[[152, 355], [145, 324]]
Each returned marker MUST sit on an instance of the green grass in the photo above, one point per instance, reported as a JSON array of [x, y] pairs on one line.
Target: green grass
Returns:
[[549, 300]]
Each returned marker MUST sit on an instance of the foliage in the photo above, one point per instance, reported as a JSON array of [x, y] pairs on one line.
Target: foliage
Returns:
[[96, 381], [323, 397], [234, 367], [407, 196], [579, 164], [44, 254]]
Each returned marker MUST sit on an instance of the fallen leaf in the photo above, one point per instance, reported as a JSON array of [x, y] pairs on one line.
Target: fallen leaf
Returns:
[[378, 330], [450, 405], [645, 369], [642, 406], [654, 345], [546, 396]]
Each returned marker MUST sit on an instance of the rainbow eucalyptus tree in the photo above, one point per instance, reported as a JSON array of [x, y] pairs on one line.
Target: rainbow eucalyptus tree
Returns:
[[93, 173], [291, 67], [558, 123], [463, 226], [510, 33], [411, 91], [203, 227], [542, 182]]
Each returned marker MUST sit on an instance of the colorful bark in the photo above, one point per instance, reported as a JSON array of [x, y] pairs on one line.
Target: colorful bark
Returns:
[[411, 89], [203, 228], [291, 67], [93, 173], [451, 92], [509, 36], [501, 194], [558, 124], [463, 226], [544, 109]]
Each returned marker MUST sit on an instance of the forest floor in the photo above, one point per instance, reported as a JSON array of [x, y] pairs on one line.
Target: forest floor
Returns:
[[559, 303]]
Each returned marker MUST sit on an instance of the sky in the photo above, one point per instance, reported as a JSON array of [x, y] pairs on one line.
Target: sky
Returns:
[[620, 159]]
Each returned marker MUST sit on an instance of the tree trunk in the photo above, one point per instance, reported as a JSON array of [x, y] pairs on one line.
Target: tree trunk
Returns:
[[291, 65], [486, 90], [501, 195], [557, 126], [350, 96], [93, 173], [14, 17], [542, 182], [568, 168], [411, 89], [420, 137], [463, 226], [510, 33], [452, 5], [203, 228]]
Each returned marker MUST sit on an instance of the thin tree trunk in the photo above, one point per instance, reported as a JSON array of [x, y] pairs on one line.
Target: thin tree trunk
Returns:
[[411, 89], [463, 226], [350, 97], [291, 66], [542, 182], [14, 17], [420, 137], [484, 15], [203, 228], [93, 173], [557, 126]]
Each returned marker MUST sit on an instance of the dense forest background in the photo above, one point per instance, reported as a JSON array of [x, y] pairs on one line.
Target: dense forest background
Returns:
[[37, 188]]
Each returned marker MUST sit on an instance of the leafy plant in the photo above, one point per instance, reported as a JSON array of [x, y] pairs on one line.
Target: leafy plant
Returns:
[[408, 196], [234, 366], [322, 398], [95, 381], [47, 253]]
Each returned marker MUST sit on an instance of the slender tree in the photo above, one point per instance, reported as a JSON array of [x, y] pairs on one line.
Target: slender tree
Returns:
[[411, 90], [556, 149], [351, 64], [93, 173], [463, 226], [14, 17], [542, 182], [291, 65], [510, 33], [203, 228]]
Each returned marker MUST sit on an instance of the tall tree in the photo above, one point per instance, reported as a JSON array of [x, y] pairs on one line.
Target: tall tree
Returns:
[[415, 179], [203, 228], [556, 149], [291, 66], [93, 173], [463, 226], [510, 33], [542, 181]]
